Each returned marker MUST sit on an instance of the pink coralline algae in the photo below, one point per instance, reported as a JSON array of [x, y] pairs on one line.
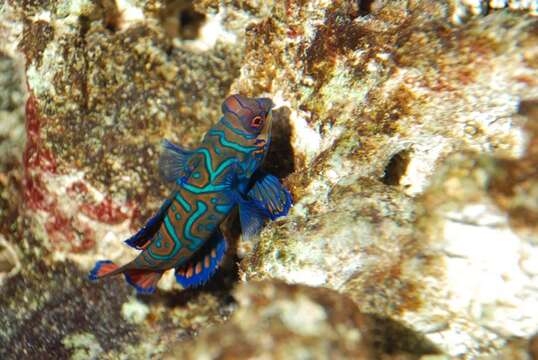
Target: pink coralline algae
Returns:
[[64, 228]]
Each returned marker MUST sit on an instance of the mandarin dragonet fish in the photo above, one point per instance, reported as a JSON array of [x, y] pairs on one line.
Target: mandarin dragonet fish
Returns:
[[208, 183]]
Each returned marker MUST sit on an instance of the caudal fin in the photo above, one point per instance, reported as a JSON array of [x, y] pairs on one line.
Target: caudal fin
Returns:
[[144, 281], [102, 268]]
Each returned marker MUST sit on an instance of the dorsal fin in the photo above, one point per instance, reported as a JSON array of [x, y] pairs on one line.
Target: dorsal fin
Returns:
[[173, 162]]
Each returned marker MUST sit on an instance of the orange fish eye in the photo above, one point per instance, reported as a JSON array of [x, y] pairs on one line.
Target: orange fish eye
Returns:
[[256, 121]]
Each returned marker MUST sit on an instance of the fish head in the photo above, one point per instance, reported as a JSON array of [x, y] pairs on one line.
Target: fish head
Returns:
[[251, 115]]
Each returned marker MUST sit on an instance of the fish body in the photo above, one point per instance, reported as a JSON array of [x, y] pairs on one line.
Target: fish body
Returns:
[[208, 182]]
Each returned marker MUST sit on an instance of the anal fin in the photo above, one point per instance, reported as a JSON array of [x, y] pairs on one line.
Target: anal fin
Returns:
[[143, 280], [204, 264]]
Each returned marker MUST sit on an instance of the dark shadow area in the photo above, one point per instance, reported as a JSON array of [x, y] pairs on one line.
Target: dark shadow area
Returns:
[[111, 16], [526, 107], [280, 159], [533, 346], [190, 21], [181, 20], [391, 337], [396, 167], [365, 7]]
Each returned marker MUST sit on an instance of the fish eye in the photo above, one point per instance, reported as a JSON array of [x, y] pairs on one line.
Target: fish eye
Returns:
[[256, 122]]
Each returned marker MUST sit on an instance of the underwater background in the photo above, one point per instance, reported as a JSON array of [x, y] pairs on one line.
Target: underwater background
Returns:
[[405, 130]]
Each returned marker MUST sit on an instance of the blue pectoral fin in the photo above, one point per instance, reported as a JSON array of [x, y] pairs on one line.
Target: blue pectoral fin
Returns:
[[198, 271], [173, 161], [145, 234], [252, 214], [273, 196]]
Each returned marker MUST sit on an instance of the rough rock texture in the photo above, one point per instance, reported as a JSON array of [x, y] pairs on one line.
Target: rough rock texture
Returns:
[[48, 304], [280, 321], [463, 9], [52, 311], [406, 131], [402, 125], [12, 136]]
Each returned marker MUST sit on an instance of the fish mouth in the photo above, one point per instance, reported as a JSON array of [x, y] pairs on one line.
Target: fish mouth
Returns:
[[265, 104], [265, 134]]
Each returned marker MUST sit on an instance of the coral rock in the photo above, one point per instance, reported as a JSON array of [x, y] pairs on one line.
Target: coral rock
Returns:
[[280, 321]]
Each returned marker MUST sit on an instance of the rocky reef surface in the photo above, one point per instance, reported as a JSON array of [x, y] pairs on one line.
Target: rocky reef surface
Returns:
[[407, 132]]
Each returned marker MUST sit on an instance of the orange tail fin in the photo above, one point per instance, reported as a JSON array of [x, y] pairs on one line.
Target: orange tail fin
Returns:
[[102, 268]]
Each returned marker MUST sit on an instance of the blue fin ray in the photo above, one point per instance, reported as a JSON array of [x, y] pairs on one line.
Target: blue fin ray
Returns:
[[200, 269], [252, 217], [173, 161], [252, 214], [270, 193]]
